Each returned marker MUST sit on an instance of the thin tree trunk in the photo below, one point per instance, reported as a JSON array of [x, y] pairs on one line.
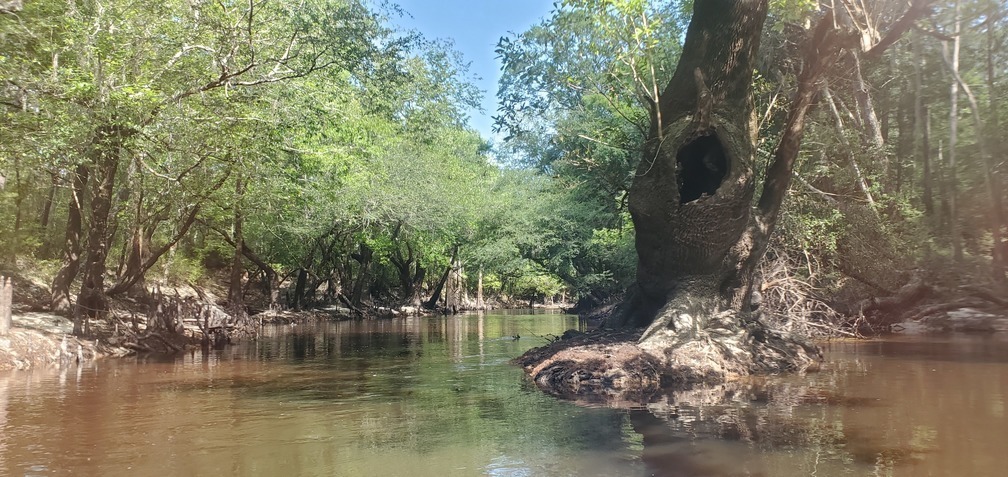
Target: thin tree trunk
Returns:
[[236, 299], [1000, 251], [138, 244], [991, 179], [848, 151], [480, 305], [952, 173], [922, 130], [866, 107], [47, 206], [18, 192], [431, 303], [299, 287], [363, 258], [6, 304], [135, 274], [272, 278]]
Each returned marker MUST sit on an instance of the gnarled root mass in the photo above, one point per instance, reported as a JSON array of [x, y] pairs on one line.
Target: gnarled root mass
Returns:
[[619, 367]]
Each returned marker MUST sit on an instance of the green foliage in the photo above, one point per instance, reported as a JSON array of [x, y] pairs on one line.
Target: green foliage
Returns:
[[182, 270], [536, 285], [576, 97], [352, 137], [794, 11]]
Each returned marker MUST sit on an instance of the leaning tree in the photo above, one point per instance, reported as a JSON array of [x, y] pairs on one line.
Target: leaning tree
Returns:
[[700, 229]]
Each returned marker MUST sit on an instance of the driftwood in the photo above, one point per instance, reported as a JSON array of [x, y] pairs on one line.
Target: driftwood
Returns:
[[346, 302], [985, 294], [932, 310], [888, 309]]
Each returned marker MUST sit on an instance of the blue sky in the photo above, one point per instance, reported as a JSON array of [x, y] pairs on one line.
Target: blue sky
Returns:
[[475, 26]]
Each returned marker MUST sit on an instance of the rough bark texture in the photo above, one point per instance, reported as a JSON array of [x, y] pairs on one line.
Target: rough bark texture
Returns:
[[699, 238], [92, 300], [236, 297], [72, 248], [690, 199]]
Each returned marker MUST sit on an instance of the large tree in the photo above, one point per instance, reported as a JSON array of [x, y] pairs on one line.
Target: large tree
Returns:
[[700, 230], [698, 237]]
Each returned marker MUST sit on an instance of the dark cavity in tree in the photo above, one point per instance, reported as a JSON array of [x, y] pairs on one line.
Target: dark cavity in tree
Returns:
[[701, 167]]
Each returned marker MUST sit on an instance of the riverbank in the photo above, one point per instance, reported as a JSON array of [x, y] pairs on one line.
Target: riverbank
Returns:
[[44, 339], [617, 368]]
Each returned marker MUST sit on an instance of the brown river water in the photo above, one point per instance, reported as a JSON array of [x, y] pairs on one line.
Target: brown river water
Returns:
[[439, 397]]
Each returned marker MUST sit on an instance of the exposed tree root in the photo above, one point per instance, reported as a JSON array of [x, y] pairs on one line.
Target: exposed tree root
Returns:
[[621, 366]]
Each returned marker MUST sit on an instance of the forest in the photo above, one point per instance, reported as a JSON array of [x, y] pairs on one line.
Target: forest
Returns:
[[314, 154]]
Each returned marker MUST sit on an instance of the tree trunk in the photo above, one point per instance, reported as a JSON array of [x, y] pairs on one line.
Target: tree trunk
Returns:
[[363, 258], [479, 291], [138, 249], [431, 303], [849, 151], [866, 108], [951, 173], [690, 199], [991, 179], [236, 298], [299, 288], [922, 130], [1000, 251], [409, 280], [72, 249], [47, 206], [92, 301], [698, 237]]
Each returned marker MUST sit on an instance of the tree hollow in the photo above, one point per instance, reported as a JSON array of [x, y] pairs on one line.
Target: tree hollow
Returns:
[[701, 168]]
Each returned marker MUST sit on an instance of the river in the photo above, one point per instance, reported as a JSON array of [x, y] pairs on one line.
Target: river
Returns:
[[439, 397]]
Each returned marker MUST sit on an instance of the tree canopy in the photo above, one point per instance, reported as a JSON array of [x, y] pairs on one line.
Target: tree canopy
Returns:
[[320, 152]]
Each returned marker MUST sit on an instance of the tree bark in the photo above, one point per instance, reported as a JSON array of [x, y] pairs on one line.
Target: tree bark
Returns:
[[59, 301], [411, 274], [47, 205], [363, 258], [952, 166], [866, 108], [1000, 251], [848, 150], [991, 179], [272, 278], [699, 239], [690, 198], [92, 301], [236, 299], [479, 291], [431, 303], [922, 130]]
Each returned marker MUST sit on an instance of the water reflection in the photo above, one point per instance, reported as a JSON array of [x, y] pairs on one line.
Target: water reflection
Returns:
[[902, 407], [397, 397], [439, 397]]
